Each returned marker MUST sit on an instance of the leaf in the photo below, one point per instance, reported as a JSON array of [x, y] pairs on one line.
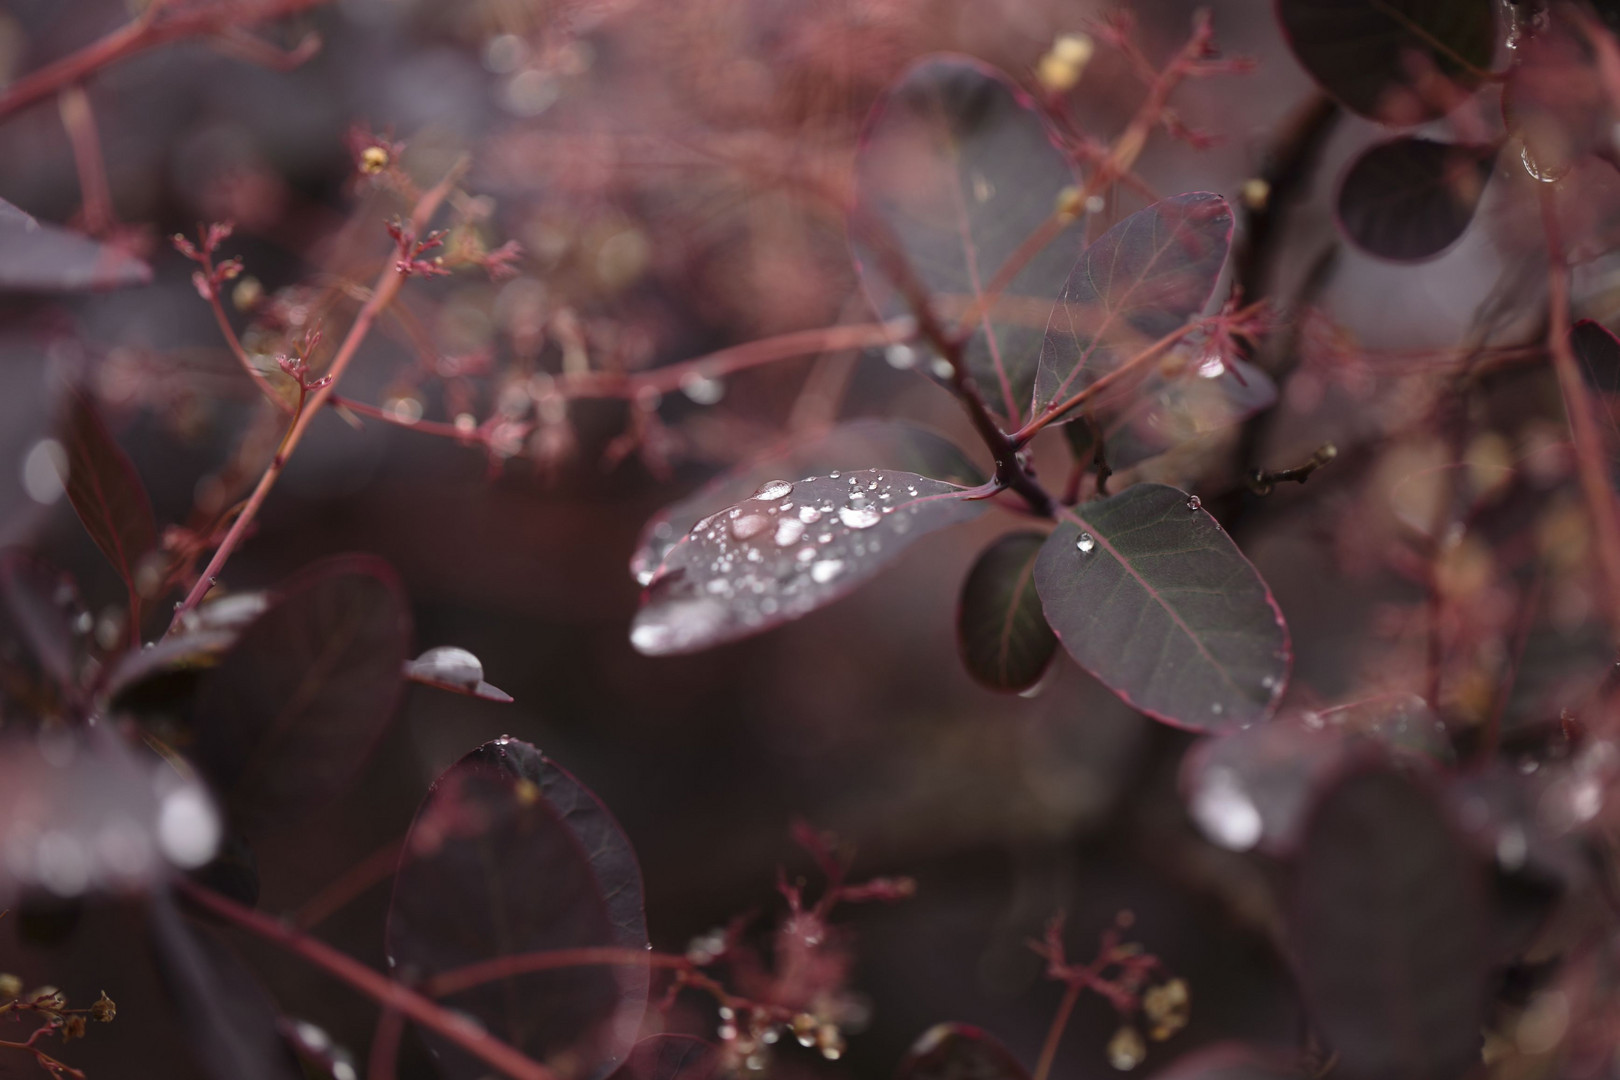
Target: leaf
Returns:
[[456, 670], [205, 633], [856, 444], [228, 1019], [1149, 595], [105, 490], [790, 549], [45, 606], [31, 458], [1409, 199], [1390, 931], [291, 712], [36, 257], [1598, 350], [1004, 638], [1141, 280], [1171, 410], [959, 1052], [959, 169], [670, 1057], [1372, 54], [510, 855], [1554, 99], [1230, 1061]]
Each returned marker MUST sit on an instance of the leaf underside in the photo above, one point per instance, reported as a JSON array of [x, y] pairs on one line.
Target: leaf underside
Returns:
[[105, 490], [36, 257], [1409, 199], [1003, 635]]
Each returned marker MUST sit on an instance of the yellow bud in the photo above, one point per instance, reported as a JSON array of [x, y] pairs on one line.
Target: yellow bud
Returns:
[[373, 160]]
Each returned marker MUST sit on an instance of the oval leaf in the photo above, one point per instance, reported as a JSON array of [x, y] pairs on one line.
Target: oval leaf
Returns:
[[857, 444], [1372, 54], [105, 490], [1003, 635], [510, 855], [1148, 593], [670, 1057], [291, 712], [1409, 199], [1390, 925], [1141, 280], [957, 167], [959, 1052], [35, 257], [790, 549]]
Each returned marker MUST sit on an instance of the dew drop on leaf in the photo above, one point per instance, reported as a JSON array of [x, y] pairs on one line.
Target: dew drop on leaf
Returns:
[[749, 525], [1194, 502], [702, 389], [825, 570], [1085, 543], [773, 489], [788, 531], [809, 515], [1224, 811], [859, 517]]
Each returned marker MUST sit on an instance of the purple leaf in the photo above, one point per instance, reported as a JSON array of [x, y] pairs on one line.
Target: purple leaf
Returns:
[[1149, 595], [511, 855], [1172, 410], [790, 549], [1409, 199], [1599, 353], [456, 670], [959, 169], [856, 444], [45, 606], [31, 459], [1371, 54], [1390, 929], [36, 257], [1231, 1061], [292, 711], [1141, 280], [1000, 629], [959, 1052], [205, 633], [670, 1057], [105, 489]]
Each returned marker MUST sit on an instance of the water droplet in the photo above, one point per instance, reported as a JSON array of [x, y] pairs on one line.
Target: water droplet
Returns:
[[1126, 1050], [900, 356], [859, 517], [188, 827], [825, 570], [749, 525], [1217, 708], [773, 489], [1224, 811], [1194, 502], [983, 189], [809, 515], [788, 531], [941, 367], [833, 475], [449, 665], [1537, 171], [702, 389], [1512, 847], [1212, 366], [1085, 543], [44, 471]]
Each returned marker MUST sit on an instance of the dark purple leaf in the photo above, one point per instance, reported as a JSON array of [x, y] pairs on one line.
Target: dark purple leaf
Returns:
[[856, 444], [790, 549], [205, 633], [1141, 280], [1599, 353], [228, 1019], [959, 1052], [290, 714], [105, 489], [1172, 410], [1389, 928], [1231, 1061], [1003, 635], [669, 1057], [510, 855], [45, 606], [959, 169], [31, 459], [1372, 54], [1148, 593], [1409, 199], [35, 257], [456, 670]]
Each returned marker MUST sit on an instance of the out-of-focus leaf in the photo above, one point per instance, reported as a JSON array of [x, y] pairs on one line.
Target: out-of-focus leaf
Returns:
[[669, 1057], [1411, 198], [291, 712], [204, 634], [1230, 1061], [1003, 635], [1147, 592], [1141, 280], [1173, 409], [45, 606], [790, 549], [1554, 100], [455, 669], [1373, 54], [511, 855], [959, 1052], [1598, 350], [105, 489], [31, 458], [36, 257], [857, 444], [228, 1019], [956, 165], [82, 813], [1389, 926]]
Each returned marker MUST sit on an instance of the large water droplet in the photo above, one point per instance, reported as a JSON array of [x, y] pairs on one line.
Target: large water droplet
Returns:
[[1194, 502], [702, 389], [749, 525], [1224, 811], [825, 570], [788, 531], [1085, 543], [188, 828], [859, 517], [809, 515], [773, 489]]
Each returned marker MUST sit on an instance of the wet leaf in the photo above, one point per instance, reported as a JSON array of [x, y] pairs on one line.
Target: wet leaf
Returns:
[[36, 257], [1372, 54], [1393, 962], [455, 669], [291, 712], [959, 1052], [1142, 279], [1554, 100], [45, 607], [205, 633], [1174, 409], [1148, 594], [105, 490], [790, 549], [857, 444], [1409, 199], [1598, 350], [510, 855], [1002, 633], [957, 166], [669, 1057]]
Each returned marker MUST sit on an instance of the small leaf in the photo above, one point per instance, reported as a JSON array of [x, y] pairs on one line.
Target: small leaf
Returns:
[[1409, 199], [105, 490], [1372, 54], [856, 444], [792, 548], [44, 604], [456, 670], [1003, 635], [1141, 280], [669, 1057], [205, 633], [1171, 410], [290, 714], [510, 855], [1149, 595], [959, 1052], [957, 166], [36, 257], [1390, 928], [1598, 350]]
